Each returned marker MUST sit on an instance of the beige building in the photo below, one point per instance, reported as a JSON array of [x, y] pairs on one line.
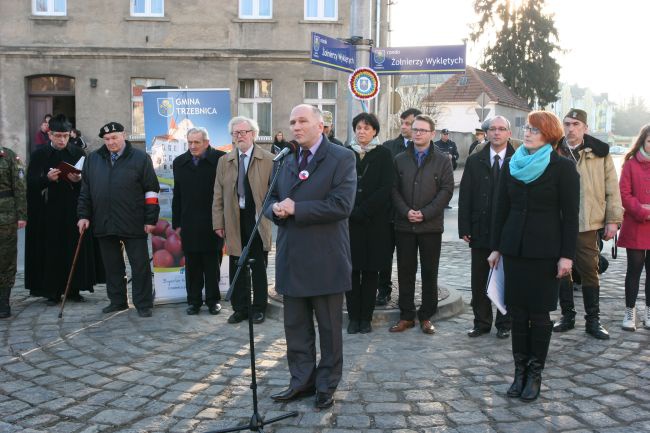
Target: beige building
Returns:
[[91, 59]]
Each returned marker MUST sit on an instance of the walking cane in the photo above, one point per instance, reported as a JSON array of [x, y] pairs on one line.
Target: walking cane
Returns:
[[72, 269]]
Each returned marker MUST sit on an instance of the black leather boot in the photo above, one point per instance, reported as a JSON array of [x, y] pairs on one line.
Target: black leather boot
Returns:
[[5, 309], [591, 296], [568, 320], [540, 338], [520, 355]]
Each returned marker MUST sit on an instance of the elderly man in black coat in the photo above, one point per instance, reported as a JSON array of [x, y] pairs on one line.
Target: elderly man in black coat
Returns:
[[311, 203], [194, 174], [475, 212]]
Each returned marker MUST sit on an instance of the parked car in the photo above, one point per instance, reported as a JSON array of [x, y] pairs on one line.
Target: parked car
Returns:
[[618, 150]]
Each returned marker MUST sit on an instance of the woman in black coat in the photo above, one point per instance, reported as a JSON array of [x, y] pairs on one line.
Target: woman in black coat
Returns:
[[370, 239], [535, 230]]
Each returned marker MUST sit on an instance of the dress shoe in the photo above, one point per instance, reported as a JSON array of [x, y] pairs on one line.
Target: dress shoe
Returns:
[[476, 332], [192, 310], [237, 317], [258, 317], [402, 326], [214, 309], [566, 323], [503, 333], [144, 312], [323, 400], [353, 327], [382, 300], [291, 394], [76, 298], [427, 327], [596, 330], [365, 327], [114, 307]]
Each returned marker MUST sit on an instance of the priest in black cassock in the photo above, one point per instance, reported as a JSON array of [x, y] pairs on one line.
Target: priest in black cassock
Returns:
[[52, 235]]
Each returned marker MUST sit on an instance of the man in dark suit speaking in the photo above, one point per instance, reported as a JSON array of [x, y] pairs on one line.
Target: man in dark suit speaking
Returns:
[[310, 204]]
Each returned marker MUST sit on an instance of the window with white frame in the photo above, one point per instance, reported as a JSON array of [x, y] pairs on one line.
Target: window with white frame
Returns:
[[256, 9], [322, 94], [321, 10], [147, 8], [49, 7], [255, 102], [137, 105]]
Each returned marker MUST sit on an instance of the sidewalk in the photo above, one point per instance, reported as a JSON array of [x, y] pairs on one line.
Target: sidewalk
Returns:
[[173, 373]]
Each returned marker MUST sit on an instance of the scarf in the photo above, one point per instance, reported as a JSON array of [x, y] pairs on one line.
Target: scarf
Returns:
[[362, 150], [527, 167], [642, 155]]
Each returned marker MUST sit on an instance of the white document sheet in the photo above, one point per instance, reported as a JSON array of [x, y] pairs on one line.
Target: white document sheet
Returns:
[[496, 287]]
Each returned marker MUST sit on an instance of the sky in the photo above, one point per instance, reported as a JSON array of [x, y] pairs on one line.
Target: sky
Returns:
[[606, 47]]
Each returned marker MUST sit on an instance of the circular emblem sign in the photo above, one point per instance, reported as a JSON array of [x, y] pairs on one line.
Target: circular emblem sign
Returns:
[[364, 84]]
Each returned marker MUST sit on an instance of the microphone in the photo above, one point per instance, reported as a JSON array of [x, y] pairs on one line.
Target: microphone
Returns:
[[291, 148]]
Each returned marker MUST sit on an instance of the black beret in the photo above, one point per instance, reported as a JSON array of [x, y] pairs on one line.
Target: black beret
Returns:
[[110, 127], [445, 131], [59, 123]]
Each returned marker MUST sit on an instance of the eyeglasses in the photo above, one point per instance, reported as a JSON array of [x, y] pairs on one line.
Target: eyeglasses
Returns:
[[494, 129], [240, 133], [417, 131], [531, 129]]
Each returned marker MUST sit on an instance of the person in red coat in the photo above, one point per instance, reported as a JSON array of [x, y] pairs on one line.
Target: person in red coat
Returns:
[[635, 230]]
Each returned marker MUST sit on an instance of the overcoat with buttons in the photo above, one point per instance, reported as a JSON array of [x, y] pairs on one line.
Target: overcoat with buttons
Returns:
[[477, 197], [192, 201], [428, 188], [635, 192], [370, 230], [313, 245], [225, 204]]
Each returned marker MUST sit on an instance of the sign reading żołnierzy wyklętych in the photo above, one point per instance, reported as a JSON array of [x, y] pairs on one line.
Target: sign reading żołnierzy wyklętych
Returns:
[[332, 53], [443, 59]]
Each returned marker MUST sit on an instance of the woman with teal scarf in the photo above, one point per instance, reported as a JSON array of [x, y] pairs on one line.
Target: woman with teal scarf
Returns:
[[534, 238]]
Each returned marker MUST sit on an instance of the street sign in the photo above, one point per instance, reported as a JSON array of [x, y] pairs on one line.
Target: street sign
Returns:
[[483, 99], [482, 113], [444, 59], [332, 53]]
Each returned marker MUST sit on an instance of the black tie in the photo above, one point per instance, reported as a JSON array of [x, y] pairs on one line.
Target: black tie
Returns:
[[495, 168], [241, 189], [304, 155]]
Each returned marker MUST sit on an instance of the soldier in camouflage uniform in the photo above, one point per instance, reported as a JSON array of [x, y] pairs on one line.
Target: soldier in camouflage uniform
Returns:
[[13, 215]]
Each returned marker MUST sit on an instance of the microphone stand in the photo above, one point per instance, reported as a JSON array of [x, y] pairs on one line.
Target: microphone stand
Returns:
[[257, 422]]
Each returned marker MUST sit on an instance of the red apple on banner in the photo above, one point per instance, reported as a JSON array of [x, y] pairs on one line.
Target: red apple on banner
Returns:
[[163, 259], [157, 243], [174, 246]]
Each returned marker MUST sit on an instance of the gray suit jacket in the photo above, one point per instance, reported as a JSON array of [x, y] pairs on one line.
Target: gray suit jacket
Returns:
[[313, 245]]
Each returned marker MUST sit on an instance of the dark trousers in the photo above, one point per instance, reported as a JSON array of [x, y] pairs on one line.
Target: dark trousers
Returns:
[[301, 341], [531, 336], [361, 299], [385, 285], [408, 245], [138, 252], [202, 269], [481, 304], [241, 292], [636, 261]]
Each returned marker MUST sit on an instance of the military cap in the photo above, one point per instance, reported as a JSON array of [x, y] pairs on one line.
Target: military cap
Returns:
[[59, 123], [445, 131], [109, 128], [578, 114], [479, 131], [327, 118]]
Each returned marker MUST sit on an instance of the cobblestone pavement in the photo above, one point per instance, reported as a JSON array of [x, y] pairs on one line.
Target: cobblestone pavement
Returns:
[[172, 373]]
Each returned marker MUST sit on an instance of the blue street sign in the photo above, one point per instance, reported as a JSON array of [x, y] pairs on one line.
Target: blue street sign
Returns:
[[444, 59], [332, 53]]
